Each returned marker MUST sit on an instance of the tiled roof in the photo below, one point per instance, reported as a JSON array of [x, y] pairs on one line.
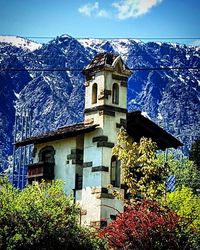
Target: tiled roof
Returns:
[[60, 133], [101, 60], [137, 126]]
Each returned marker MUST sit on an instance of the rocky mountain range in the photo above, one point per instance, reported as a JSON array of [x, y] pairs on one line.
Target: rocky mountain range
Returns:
[[55, 96]]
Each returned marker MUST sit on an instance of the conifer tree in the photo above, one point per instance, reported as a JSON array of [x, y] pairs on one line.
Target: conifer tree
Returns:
[[194, 153]]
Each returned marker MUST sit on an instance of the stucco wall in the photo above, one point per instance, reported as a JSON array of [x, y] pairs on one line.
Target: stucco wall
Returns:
[[101, 156], [94, 204], [64, 169]]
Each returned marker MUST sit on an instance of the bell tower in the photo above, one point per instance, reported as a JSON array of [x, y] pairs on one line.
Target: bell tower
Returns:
[[106, 88], [105, 106]]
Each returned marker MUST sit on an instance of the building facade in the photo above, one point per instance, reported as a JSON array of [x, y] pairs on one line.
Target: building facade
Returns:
[[81, 154]]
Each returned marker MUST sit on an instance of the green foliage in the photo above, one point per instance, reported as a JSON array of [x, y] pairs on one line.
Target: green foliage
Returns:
[[194, 153], [184, 170], [145, 173], [41, 216], [184, 201], [141, 172], [186, 204]]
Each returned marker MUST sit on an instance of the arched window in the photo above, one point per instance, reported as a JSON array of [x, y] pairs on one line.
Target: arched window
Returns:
[[46, 154], [115, 93], [115, 172], [94, 93]]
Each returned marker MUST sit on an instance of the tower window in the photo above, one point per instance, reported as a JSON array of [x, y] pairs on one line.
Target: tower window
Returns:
[[115, 172], [94, 93], [115, 94]]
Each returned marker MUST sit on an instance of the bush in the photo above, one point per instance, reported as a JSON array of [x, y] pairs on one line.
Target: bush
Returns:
[[41, 216], [187, 206], [146, 226]]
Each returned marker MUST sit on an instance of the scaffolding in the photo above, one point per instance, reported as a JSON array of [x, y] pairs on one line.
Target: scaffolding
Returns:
[[21, 155]]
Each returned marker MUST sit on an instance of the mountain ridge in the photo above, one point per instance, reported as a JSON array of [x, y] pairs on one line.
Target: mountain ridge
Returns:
[[55, 98]]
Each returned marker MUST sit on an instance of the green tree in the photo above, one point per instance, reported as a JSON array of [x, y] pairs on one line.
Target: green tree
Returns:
[[41, 216], [194, 153], [187, 205], [145, 173], [183, 169], [140, 169]]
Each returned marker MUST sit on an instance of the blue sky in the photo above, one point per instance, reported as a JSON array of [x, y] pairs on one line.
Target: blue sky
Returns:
[[103, 18]]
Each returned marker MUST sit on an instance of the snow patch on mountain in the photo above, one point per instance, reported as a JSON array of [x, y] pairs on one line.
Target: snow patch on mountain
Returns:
[[20, 42], [56, 98], [91, 43], [122, 46]]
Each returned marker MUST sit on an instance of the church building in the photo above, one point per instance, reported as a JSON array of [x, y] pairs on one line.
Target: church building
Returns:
[[81, 154]]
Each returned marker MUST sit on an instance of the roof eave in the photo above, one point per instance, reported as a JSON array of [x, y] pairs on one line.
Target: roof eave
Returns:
[[163, 138], [51, 136]]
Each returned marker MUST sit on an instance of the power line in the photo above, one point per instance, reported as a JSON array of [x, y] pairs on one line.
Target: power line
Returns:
[[70, 69], [143, 38], [111, 38]]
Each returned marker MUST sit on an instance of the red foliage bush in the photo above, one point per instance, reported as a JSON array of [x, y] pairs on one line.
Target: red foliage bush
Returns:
[[146, 226]]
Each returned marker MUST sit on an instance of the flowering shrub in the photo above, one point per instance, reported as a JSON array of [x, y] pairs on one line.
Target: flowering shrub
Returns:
[[146, 226]]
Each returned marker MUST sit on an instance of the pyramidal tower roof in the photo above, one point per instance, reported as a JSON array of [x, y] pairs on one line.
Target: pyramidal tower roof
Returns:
[[104, 60]]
